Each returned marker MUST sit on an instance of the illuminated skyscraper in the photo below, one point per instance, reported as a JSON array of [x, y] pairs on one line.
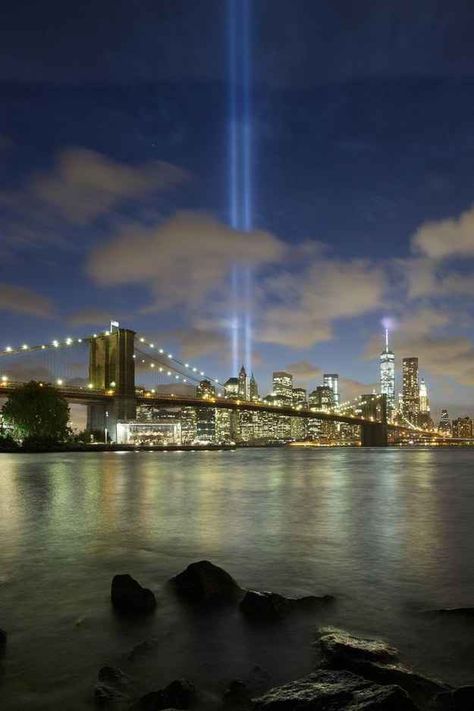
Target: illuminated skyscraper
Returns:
[[283, 385], [424, 400], [243, 384], [205, 390], [411, 390], [444, 426], [387, 377], [253, 388], [331, 380]]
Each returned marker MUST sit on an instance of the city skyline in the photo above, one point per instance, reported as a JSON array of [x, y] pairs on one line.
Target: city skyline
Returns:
[[353, 221]]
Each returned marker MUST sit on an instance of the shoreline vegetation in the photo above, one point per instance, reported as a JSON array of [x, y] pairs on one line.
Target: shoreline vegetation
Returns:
[[348, 672]]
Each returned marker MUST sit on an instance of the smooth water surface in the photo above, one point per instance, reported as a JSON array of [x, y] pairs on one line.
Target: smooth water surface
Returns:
[[388, 532]]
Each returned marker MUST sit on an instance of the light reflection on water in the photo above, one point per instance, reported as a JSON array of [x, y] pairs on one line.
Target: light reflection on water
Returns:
[[389, 532]]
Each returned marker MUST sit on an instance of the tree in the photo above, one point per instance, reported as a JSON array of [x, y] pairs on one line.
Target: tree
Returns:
[[37, 413]]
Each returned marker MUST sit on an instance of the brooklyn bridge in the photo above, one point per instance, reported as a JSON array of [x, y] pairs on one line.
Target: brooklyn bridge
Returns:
[[109, 391]]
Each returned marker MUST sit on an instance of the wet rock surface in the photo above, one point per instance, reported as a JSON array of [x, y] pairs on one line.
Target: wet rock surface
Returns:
[[329, 690], [3, 640], [268, 606], [129, 597], [461, 612], [204, 582], [180, 694], [460, 699], [112, 688], [377, 661]]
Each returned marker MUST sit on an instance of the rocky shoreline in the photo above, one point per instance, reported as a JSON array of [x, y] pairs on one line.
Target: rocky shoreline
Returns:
[[352, 673]]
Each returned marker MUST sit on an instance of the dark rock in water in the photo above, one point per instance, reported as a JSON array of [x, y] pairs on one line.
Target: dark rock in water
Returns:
[[111, 688], [236, 695], [114, 677], [377, 661], [128, 596], [461, 699], [108, 696], [205, 582], [452, 612], [340, 647], [327, 690], [180, 694], [267, 606], [142, 648], [3, 640]]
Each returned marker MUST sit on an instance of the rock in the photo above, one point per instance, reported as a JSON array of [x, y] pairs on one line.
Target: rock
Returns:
[[236, 694], [111, 688], [377, 661], [142, 648], [114, 677], [327, 690], [267, 606], [205, 582], [3, 640], [339, 647], [180, 694], [107, 696], [128, 596], [452, 612], [460, 699]]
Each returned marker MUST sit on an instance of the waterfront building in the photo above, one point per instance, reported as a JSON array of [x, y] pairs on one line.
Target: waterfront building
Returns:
[[231, 388], [387, 377], [253, 388], [444, 426], [462, 427], [188, 425], [243, 384], [162, 428], [205, 390], [225, 432], [331, 380], [206, 425], [283, 386], [411, 390]]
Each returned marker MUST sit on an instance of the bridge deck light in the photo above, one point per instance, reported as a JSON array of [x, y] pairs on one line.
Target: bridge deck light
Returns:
[[90, 386], [170, 355], [194, 370], [152, 345], [152, 365], [142, 340], [59, 381], [161, 350], [4, 378], [68, 341], [24, 347]]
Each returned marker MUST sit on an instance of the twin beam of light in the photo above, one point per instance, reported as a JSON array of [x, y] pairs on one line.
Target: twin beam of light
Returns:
[[240, 173]]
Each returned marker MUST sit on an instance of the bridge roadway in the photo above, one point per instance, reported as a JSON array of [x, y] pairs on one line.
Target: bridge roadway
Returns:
[[87, 396]]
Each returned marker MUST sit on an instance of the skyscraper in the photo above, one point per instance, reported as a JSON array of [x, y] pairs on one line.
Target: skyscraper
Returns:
[[331, 380], [411, 390], [283, 385], [444, 426], [387, 376], [243, 384], [424, 418], [253, 388]]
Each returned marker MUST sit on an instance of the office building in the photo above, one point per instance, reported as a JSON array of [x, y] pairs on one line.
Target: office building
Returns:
[[331, 380], [387, 377], [411, 390]]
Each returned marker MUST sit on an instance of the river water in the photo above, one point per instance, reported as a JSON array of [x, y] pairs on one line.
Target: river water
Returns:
[[388, 532]]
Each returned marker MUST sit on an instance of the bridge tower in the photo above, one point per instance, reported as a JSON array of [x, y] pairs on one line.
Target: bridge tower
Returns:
[[374, 434], [112, 367]]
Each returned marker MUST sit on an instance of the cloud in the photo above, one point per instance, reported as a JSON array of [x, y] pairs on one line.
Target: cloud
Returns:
[[82, 186], [85, 184], [304, 371], [310, 302], [89, 317], [452, 237], [183, 261], [17, 299]]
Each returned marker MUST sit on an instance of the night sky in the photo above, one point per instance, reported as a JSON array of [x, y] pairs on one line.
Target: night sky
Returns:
[[114, 183]]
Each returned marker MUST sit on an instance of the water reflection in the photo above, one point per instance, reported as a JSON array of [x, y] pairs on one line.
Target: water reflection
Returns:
[[383, 530]]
